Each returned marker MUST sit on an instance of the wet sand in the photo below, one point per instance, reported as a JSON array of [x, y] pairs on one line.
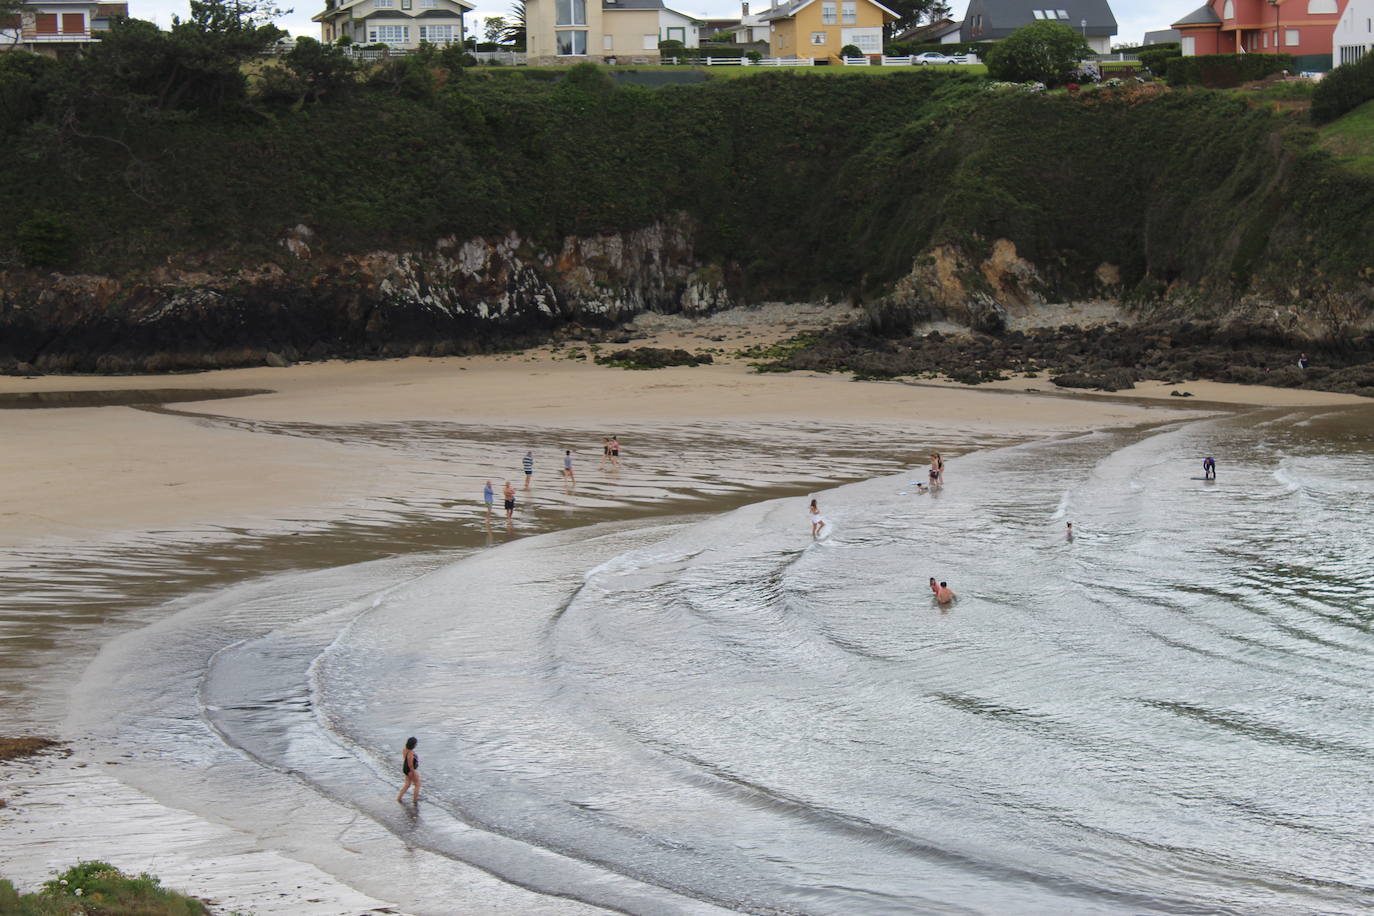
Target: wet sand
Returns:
[[110, 513]]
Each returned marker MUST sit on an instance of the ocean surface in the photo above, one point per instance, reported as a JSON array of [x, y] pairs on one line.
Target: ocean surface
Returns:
[[1169, 713]]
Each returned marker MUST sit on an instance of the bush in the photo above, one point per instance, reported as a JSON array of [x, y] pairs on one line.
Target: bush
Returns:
[[851, 51], [1156, 58], [1046, 52], [754, 56], [1225, 71], [100, 890], [1344, 89], [44, 240]]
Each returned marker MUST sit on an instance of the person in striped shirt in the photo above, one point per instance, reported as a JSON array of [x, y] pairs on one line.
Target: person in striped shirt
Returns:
[[528, 462]]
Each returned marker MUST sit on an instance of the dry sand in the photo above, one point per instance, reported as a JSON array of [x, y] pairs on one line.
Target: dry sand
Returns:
[[310, 452]]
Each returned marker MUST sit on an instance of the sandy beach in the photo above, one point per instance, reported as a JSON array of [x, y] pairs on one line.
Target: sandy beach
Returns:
[[111, 513]]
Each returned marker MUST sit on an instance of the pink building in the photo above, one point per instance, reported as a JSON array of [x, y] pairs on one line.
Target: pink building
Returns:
[[1303, 28]]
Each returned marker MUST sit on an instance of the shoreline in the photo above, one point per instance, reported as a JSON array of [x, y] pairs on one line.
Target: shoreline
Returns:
[[278, 469]]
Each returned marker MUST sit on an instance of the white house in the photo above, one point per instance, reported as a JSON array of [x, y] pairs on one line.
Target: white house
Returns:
[[1354, 35], [675, 26], [58, 27], [400, 24]]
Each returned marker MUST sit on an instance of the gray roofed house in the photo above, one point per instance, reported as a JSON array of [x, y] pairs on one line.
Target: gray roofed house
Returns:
[[944, 31], [1203, 15], [1161, 37], [993, 20]]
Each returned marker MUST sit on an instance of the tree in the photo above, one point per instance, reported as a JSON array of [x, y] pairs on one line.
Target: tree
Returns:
[[909, 14], [1044, 51], [515, 30], [494, 28]]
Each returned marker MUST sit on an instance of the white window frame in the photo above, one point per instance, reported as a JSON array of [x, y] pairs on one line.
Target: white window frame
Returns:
[[820, 38], [828, 12], [572, 36], [676, 33], [650, 41], [608, 42], [381, 34], [1038, 14], [383, 4], [427, 34], [1188, 46], [1063, 14], [1292, 38], [868, 39], [574, 11], [1228, 10], [429, 4], [1266, 40], [849, 12]]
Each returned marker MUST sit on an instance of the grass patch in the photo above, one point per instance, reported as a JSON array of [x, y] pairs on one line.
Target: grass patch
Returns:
[[99, 889], [1351, 139]]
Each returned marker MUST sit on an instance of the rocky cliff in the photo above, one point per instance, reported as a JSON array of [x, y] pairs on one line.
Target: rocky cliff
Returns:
[[458, 296]]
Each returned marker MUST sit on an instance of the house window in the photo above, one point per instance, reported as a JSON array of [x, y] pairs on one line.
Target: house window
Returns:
[[46, 23], [390, 34], [1322, 7], [1266, 39], [868, 40], [438, 34], [571, 42], [405, 4], [827, 13], [1352, 53], [608, 42], [1188, 46], [650, 42], [818, 38], [1229, 10], [383, 4], [429, 4], [1038, 14], [1290, 37], [677, 33], [572, 12], [849, 11], [74, 23], [1063, 14]]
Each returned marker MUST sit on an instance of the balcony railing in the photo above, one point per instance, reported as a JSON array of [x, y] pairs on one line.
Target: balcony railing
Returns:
[[30, 36]]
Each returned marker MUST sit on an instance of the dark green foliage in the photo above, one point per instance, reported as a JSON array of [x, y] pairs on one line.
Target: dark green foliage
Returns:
[[44, 240], [325, 69], [1226, 71], [1344, 89], [851, 51], [1044, 51], [1155, 58]]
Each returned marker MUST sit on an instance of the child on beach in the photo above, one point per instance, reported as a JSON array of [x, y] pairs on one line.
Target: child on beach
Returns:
[[817, 523]]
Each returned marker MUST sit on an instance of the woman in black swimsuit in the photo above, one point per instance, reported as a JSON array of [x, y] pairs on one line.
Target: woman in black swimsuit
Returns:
[[410, 767]]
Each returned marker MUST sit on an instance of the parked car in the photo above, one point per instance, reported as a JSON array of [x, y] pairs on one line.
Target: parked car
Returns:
[[933, 57]]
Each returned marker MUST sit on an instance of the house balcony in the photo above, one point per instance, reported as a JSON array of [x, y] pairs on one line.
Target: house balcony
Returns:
[[32, 37]]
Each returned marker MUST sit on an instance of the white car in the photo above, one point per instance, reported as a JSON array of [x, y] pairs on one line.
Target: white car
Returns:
[[933, 57]]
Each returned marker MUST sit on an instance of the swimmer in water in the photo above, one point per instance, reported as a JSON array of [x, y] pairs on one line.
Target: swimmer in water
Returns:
[[944, 594], [1068, 532], [934, 586], [817, 522]]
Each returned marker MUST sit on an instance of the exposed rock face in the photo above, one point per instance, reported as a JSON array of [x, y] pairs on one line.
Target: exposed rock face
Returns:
[[945, 283], [461, 296]]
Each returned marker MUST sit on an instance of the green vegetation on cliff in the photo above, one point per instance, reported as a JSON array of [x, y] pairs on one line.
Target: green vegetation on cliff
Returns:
[[798, 186], [99, 889]]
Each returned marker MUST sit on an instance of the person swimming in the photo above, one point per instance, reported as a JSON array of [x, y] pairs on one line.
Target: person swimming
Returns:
[[944, 594]]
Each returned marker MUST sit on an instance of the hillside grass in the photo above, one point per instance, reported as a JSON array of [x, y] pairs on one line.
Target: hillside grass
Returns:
[[99, 889], [1350, 138]]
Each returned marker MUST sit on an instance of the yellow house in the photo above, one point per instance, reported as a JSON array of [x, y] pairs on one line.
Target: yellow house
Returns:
[[820, 28]]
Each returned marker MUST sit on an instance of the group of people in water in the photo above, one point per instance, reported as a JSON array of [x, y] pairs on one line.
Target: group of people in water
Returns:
[[610, 453]]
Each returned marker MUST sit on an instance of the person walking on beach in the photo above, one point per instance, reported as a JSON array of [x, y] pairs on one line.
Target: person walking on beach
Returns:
[[410, 768], [817, 523], [528, 462], [509, 494], [615, 450], [605, 449], [937, 468], [1209, 468], [944, 594], [488, 497], [567, 467]]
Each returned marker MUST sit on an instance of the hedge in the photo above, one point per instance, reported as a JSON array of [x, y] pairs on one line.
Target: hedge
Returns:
[[1225, 71], [1344, 89], [1156, 59]]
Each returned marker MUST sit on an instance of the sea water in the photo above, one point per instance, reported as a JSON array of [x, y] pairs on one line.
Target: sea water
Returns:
[[1169, 712]]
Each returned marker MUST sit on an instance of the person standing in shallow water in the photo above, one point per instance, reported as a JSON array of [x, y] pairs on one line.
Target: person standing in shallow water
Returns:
[[567, 467], [410, 768], [1209, 468], [488, 497], [817, 522], [528, 462], [508, 494]]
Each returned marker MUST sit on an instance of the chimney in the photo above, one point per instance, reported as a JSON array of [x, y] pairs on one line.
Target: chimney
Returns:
[[744, 10]]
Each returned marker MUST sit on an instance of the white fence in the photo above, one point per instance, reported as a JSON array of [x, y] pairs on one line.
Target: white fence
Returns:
[[741, 61]]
